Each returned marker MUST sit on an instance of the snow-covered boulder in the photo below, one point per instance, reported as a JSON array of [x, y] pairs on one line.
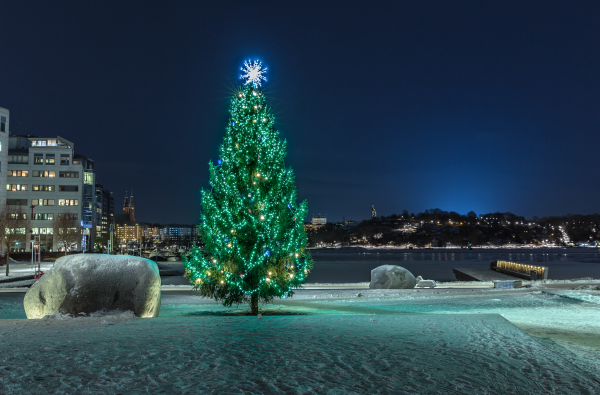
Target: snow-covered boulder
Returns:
[[426, 284], [391, 277], [87, 283]]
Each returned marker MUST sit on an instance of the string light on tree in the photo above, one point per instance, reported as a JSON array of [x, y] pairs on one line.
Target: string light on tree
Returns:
[[251, 226]]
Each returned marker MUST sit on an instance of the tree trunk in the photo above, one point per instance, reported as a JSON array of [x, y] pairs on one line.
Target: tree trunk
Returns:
[[7, 261], [254, 304]]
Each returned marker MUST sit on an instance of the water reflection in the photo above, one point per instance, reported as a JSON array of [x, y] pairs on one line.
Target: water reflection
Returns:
[[587, 256], [355, 264]]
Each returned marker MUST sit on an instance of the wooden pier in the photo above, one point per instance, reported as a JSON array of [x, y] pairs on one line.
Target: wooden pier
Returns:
[[468, 274]]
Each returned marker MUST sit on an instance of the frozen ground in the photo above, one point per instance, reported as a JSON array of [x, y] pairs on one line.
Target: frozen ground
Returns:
[[24, 268], [341, 341]]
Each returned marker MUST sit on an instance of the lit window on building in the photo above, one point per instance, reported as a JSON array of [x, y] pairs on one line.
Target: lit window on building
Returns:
[[18, 173], [16, 187], [42, 202], [68, 202], [39, 173]]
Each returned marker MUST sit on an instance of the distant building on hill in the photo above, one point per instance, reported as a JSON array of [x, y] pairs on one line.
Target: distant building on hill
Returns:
[[373, 212], [319, 220]]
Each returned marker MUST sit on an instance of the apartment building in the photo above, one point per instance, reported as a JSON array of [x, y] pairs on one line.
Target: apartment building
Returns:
[[104, 213], [182, 235], [4, 133], [48, 180]]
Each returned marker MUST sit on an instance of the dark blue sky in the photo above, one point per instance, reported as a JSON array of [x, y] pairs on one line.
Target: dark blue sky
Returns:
[[484, 106]]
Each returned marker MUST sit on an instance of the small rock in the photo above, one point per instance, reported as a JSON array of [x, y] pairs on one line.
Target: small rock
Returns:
[[259, 316], [426, 284], [358, 295]]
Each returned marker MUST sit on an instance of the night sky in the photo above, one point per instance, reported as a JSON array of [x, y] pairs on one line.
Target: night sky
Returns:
[[484, 106]]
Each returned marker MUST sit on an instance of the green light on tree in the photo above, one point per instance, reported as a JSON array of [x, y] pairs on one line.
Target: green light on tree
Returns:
[[255, 246]]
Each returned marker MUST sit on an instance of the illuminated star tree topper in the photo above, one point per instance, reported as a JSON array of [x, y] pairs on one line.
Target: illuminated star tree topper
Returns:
[[253, 73]]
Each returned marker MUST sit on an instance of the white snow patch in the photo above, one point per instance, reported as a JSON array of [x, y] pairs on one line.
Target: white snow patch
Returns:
[[115, 314]]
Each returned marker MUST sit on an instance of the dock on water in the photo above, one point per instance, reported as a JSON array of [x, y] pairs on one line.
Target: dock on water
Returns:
[[503, 271], [469, 274]]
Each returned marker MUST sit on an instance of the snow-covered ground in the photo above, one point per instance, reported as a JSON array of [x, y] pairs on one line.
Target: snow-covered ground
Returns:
[[338, 341], [24, 268]]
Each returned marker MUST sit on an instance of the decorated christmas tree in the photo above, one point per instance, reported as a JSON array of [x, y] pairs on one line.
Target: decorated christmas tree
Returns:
[[254, 243]]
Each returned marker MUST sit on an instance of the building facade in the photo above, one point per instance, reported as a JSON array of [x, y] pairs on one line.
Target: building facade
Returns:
[[49, 181], [126, 230], [129, 207], [126, 233], [4, 133], [319, 220], [180, 235], [104, 212]]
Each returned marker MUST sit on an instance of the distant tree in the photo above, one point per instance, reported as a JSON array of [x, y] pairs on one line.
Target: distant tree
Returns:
[[471, 217], [13, 229], [67, 230], [475, 238], [457, 239]]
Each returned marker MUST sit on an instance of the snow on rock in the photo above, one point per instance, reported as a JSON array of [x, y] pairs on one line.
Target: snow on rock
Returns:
[[425, 284], [92, 284], [392, 277]]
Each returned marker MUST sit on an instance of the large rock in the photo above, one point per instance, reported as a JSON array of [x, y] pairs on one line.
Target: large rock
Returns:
[[391, 277], [86, 283]]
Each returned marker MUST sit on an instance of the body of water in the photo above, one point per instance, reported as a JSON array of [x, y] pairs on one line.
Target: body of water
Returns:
[[355, 264]]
